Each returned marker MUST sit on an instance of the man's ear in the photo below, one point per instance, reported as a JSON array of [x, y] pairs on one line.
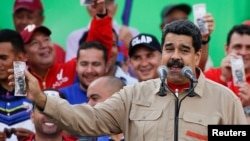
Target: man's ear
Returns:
[[198, 57], [161, 26], [13, 16], [226, 47], [41, 19]]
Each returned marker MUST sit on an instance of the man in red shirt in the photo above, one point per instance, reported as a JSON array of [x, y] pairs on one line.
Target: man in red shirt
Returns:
[[41, 54], [238, 44]]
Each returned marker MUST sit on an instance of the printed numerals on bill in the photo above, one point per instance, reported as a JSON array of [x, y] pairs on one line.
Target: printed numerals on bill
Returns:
[[20, 83]]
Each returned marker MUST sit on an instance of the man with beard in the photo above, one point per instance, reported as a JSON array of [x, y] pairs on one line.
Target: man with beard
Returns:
[[139, 110], [92, 57], [91, 63], [113, 68]]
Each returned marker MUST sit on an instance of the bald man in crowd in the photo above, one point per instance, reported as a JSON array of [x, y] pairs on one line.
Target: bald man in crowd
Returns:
[[101, 89]]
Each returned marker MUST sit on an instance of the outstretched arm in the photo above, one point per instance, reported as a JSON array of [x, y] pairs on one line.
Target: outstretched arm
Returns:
[[205, 38], [101, 26]]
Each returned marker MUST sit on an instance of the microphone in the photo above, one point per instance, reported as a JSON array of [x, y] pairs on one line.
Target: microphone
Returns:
[[162, 72], [187, 72]]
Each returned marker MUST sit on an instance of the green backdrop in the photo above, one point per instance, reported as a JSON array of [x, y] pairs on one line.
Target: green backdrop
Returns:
[[64, 16]]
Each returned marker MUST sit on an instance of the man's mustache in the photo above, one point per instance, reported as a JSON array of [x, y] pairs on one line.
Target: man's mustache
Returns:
[[175, 63]]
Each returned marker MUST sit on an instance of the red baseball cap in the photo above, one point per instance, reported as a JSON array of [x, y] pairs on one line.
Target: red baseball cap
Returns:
[[31, 5], [29, 30], [247, 22]]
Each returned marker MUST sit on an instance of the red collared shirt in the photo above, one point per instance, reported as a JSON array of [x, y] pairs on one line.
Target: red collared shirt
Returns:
[[64, 138]]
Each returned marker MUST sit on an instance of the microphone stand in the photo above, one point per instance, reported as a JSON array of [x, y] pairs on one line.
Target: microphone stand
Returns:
[[178, 105], [176, 117], [162, 89]]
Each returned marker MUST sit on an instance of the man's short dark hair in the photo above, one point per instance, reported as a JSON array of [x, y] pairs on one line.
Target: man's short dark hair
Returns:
[[171, 7], [239, 29], [184, 27], [93, 44], [13, 37]]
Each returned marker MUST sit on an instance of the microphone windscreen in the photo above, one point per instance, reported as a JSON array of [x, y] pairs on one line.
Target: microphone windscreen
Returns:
[[162, 71], [185, 69]]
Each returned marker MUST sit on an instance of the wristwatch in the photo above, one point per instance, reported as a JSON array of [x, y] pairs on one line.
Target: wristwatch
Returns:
[[102, 15], [205, 42], [247, 111]]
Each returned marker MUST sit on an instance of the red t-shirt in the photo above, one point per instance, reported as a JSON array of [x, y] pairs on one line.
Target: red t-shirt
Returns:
[[215, 73], [63, 74], [101, 30], [59, 75], [64, 138], [60, 54]]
